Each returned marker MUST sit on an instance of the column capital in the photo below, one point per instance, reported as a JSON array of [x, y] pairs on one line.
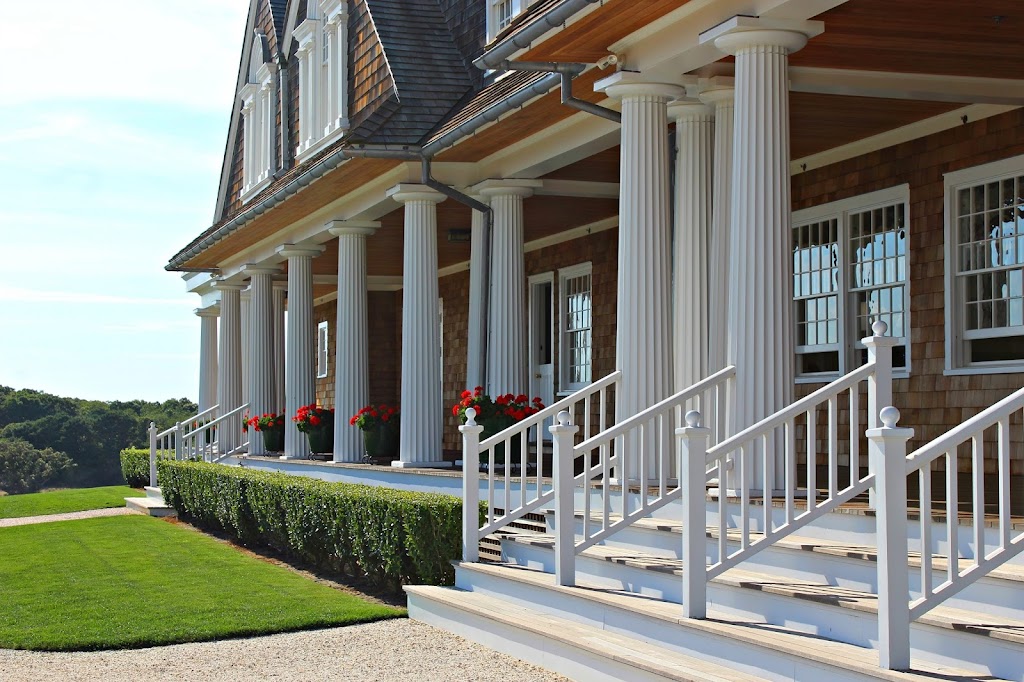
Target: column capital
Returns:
[[280, 285], [499, 187], [740, 33], [406, 192], [625, 84], [717, 90], [293, 251], [225, 285], [689, 110], [208, 311], [354, 228], [253, 269]]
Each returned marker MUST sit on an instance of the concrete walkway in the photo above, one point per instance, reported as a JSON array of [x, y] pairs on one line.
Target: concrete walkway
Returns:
[[385, 651], [70, 516]]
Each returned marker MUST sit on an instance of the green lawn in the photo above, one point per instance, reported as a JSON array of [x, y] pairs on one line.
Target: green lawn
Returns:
[[133, 581], [62, 501]]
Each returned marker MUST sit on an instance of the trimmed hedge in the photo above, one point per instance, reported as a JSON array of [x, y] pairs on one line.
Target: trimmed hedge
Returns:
[[392, 537], [135, 465]]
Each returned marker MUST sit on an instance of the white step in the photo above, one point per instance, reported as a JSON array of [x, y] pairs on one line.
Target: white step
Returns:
[[839, 563], [964, 639], [152, 504], [579, 651]]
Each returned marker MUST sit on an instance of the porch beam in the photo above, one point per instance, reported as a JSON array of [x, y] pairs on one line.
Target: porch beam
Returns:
[[582, 189], [907, 86]]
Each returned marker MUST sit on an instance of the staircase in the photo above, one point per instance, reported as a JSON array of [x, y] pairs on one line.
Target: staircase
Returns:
[[759, 580]]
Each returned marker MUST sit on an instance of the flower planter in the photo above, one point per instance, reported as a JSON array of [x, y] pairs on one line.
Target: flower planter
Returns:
[[382, 442], [273, 440], [321, 440], [494, 425]]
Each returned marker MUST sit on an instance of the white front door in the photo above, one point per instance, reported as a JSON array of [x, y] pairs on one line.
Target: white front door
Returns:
[[542, 337]]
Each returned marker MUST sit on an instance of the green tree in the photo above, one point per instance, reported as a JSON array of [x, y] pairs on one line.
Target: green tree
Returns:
[[24, 469]]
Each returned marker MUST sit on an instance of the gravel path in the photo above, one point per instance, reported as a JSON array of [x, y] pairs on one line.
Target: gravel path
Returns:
[[70, 516], [399, 649]]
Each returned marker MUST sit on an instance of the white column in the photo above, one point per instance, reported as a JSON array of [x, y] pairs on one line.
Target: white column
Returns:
[[245, 299], [330, 95], [477, 326], [351, 340], [261, 349], [247, 145], [300, 369], [207, 356], [341, 72], [720, 95], [694, 131], [420, 442], [760, 318], [643, 347], [506, 327], [280, 289], [307, 98], [229, 365]]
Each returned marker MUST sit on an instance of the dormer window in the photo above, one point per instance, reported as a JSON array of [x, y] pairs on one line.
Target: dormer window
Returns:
[[323, 74], [258, 106], [500, 14]]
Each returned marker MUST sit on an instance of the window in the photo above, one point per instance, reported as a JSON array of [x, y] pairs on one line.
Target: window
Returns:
[[985, 267], [850, 269], [321, 350], [501, 13], [323, 75], [259, 112], [576, 324]]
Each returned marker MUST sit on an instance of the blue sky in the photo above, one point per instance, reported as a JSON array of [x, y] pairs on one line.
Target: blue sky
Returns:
[[112, 128]]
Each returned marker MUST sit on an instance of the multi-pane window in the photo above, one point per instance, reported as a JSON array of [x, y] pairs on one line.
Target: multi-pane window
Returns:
[[501, 13], [575, 330], [258, 109], [323, 82], [849, 270], [985, 266]]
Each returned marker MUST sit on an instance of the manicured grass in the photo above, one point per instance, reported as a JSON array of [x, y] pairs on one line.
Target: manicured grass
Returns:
[[133, 581], [63, 501]]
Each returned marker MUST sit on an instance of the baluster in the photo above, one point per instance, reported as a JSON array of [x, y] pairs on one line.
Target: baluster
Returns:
[[723, 528], [586, 493], [524, 460], [769, 480], [491, 513], [693, 444], [471, 486], [833, 446], [789, 433], [507, 461], [642, 480], [952, 516], [665, 454], [925, 484], [606, 493], [812, 458], [978, 474], [744, 497], [887, 459], [586, 417], [854, 435], [1003, 453]]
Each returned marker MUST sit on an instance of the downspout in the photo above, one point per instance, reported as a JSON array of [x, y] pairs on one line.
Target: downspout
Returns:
[[567, 71]]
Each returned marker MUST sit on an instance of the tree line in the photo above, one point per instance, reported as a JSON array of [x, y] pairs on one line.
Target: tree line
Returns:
[[37, 427]]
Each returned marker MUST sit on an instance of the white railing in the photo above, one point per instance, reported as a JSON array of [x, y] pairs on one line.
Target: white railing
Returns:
[[635, 463], [196, 439], [515, 443], [888, 452]]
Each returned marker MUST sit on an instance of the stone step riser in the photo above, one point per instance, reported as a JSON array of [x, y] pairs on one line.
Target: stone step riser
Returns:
[[859, 628], [745, 657], [992, 595]]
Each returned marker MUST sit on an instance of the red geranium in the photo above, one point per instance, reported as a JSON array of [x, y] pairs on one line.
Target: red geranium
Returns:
[[516, 407], [371, 417]]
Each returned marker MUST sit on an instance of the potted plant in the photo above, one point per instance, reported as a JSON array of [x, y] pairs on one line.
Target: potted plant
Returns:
[[497, 414], [271, 426], [380, 427], [318, 425]]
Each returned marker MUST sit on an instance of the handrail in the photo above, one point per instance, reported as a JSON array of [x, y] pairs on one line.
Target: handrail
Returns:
[[226, 415], [626, 425], [551, 411], [961, 432], [199, 416], [800, 406]]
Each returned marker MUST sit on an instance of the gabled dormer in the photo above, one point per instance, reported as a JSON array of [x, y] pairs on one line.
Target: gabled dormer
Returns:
[[258, 104], [322, 55]]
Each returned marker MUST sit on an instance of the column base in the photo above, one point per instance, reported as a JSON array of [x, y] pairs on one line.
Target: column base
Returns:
[[288, 457], [399, 464]]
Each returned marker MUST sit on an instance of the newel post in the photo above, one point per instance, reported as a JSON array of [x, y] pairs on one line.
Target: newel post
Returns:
[[887, 457], [693, 447], [563, 436], [471, 486], [152, 454], [880, 382]]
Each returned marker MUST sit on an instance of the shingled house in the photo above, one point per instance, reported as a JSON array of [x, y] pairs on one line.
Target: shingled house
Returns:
[[785, 215]]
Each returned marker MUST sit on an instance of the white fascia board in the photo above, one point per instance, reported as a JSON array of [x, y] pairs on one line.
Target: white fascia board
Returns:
[[912, 86], [890, 138], [673, 45]]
